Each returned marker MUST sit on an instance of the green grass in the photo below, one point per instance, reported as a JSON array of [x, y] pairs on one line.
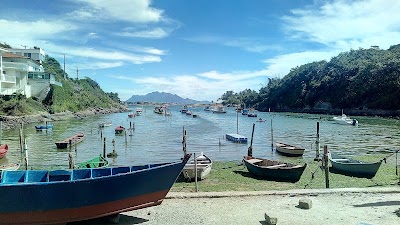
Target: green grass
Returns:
[[233, 176]]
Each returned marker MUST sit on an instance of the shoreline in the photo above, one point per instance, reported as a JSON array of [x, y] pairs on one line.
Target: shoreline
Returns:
[[12, 122]]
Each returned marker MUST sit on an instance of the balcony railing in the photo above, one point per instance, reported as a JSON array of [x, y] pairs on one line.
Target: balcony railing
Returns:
[[8, 78], [15, 65], [7, 91]]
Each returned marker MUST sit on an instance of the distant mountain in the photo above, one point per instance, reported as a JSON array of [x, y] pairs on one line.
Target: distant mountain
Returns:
[[162, 97]]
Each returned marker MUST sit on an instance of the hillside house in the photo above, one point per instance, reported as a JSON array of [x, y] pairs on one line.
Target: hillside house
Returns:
[[22, 72]]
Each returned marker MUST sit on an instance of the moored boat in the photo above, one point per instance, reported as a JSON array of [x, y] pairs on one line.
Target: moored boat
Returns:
[[203, 165], [43, 127], [70, 141], [119, 130], [105, 124], [96, 162], [61, 196], [345, 120], [3, 150], [289, 150], [351, 167], [274, 170]]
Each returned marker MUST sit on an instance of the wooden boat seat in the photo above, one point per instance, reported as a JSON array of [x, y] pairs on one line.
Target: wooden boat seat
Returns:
[[252, 161], [276, 166]]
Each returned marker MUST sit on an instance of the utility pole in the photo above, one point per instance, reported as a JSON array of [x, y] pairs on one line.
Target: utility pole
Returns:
[[64, 66]]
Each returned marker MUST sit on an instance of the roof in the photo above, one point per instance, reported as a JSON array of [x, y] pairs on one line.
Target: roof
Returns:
[[11, 55]]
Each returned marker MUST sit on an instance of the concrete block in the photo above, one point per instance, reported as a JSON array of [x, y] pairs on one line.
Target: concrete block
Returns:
[[270, 220], [305, 203]]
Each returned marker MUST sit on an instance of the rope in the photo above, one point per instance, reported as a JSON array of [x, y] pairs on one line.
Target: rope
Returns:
[[312, 177]]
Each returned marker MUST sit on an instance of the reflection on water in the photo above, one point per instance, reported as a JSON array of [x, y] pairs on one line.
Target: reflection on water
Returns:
[[158, 138]]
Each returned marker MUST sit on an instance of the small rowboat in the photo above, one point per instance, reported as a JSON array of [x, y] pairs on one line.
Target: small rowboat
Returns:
[[351, 167], [43, 127], [3, 150], [70, 141], [274, 170], [96, 162], [204, 164], [119, 130], [10, 166], [289, 150]]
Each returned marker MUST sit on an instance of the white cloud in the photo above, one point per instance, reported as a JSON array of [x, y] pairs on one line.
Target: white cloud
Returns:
[[345, 23], [138, 11], [154, 33], [31, 33]]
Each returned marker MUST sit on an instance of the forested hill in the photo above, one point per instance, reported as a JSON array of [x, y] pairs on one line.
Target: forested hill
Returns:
[[358, 80], [75, 95]]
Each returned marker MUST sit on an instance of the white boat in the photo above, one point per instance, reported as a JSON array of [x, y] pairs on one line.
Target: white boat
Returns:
[[204, 165], [218, 109], [10, 166], [345, 120], [139, 111], [289, 150]]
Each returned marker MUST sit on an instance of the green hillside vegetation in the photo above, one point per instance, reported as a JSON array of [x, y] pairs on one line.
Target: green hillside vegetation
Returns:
[[74, 96], [364, 79]]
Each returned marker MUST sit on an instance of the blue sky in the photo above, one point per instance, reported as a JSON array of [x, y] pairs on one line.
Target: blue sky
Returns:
[[195, 49]]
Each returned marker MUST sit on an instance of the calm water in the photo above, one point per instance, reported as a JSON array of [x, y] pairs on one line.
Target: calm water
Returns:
[[158, 138]]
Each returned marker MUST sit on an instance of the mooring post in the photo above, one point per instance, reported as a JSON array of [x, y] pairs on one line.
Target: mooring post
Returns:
[[195, 172], [70, 160], [20, 140], [101, 132], [317, 144], [46, 126], [26, 160], [126, 139], [70, 144], [326, 165], [272, 137], [104, 148]]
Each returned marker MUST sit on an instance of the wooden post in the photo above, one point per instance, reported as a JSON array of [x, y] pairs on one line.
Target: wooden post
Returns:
[[26, 160], [326, 165], [101, 132], [104, 148], [25, 145], [46, 126], [70, 161], [70, 144], [113, 143], [250, 149], [184, 141], [317, 144], [91, 130], [195, 172], [20, 140], [237, 121], [126, 139], [272, 137]]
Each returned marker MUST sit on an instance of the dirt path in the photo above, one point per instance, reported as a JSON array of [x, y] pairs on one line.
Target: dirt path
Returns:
[[371, 206]]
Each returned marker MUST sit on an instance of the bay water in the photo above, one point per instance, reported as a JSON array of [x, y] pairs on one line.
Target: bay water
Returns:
[[158, 138]]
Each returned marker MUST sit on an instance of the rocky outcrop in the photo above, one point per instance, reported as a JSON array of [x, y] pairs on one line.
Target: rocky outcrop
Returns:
[[10, 122]]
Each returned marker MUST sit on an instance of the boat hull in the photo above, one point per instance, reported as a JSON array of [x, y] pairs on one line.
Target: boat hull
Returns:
[[285, 174], [366, 170], [289, 150], [68, 200]]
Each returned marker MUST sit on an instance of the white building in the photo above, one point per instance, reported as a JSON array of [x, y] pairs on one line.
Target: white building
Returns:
[[22, 74]]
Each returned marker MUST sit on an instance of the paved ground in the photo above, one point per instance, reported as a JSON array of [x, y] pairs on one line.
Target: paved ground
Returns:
[[358, 206]]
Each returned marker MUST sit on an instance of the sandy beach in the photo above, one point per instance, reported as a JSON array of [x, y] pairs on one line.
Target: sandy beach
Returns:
[[358, 206]]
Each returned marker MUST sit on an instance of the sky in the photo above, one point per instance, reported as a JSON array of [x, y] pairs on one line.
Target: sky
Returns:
[[195, 49]]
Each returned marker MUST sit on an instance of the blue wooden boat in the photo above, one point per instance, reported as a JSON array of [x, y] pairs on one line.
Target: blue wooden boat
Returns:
[[351, 167], [44, 127], [274, 170], [61, 196]]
